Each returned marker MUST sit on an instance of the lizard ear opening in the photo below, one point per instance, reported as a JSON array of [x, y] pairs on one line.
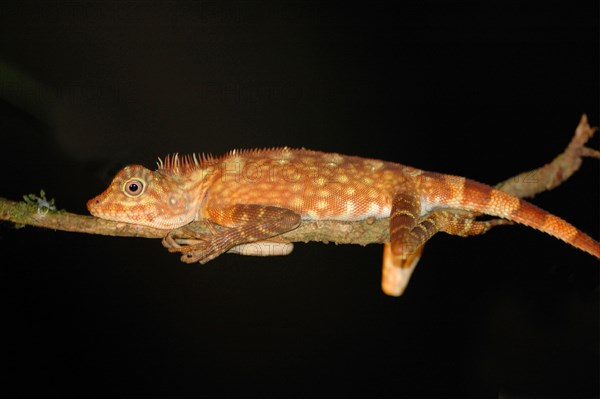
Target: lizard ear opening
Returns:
[[134, 187]]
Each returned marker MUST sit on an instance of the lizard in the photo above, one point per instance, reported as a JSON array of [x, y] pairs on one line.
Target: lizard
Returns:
[[249, 197]]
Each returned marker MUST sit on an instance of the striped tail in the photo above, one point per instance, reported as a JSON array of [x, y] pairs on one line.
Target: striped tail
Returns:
[[443, 191]]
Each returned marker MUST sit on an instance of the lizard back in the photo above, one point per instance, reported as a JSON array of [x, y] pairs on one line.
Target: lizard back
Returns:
[[316, 185]]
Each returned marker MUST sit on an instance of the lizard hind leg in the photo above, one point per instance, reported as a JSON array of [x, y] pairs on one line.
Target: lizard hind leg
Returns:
[[397, 269], [398, 264], [402, 253], [464, 224], [404, 215]]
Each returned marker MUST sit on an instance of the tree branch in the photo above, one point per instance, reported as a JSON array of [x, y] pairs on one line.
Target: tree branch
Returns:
[[38, 212]]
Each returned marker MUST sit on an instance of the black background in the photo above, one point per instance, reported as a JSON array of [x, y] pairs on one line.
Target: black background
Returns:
[[480, 89]]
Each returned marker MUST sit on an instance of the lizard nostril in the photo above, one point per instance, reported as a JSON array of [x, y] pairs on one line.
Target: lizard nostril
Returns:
[[93, 202]]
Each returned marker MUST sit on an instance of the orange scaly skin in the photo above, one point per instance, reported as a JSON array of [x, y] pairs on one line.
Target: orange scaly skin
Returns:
[[256, 195]]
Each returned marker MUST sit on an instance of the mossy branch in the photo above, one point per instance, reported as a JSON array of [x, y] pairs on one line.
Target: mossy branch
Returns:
[[37, 212]]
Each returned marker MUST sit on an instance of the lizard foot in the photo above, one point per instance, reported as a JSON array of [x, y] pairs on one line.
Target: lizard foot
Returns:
[[194, 246]]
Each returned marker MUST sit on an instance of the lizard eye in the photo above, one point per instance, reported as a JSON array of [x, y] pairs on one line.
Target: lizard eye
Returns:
[[133, 187]]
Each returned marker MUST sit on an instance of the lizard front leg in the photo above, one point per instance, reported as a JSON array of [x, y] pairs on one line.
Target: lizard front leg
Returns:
[[240, 224]]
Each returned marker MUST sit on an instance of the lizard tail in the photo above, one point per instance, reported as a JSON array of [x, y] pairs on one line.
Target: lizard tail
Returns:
[[458, 192]]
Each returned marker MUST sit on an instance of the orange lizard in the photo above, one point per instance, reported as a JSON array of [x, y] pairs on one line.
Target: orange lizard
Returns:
[[252, 196]]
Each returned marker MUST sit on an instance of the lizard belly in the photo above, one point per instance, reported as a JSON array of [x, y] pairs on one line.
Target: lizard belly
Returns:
[[348, 210]]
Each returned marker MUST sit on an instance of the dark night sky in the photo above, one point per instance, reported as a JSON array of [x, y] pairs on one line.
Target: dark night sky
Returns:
[[480, 89]]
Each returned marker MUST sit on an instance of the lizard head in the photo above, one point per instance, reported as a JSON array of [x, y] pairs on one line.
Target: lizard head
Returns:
[[140, 196]]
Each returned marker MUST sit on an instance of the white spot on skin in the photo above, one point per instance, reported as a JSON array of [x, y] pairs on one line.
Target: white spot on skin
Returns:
[[374, 209], [333, 158], [350, 190], [342, 178], [297, 202], [408, 171], [350, 207], [373, 164], [435, 203], [321, 204], [427, 206], [311, 214]]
